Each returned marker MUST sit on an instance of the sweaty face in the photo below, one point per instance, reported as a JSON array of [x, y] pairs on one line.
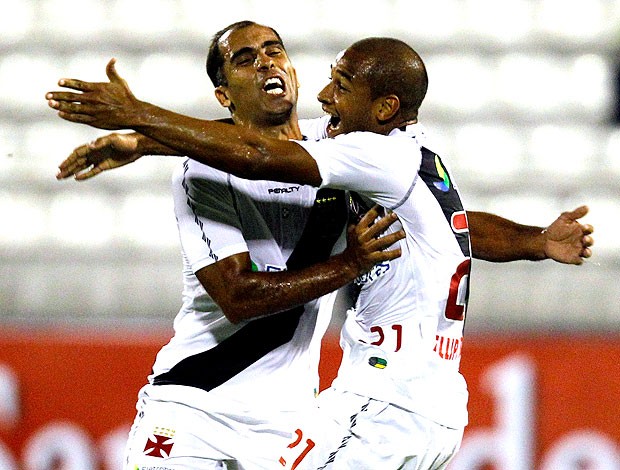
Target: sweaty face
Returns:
[[347, 96], [262, 83]]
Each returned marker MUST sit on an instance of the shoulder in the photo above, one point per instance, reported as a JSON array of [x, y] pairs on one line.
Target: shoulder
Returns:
[[365, 149], [370, 143], [425, 139], [190, 170], [314, 129]]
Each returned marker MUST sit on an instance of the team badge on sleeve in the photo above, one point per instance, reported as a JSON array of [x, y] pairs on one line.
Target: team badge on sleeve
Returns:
[[160, 443]]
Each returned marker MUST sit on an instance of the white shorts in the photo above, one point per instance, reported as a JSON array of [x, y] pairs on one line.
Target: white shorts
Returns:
[[350, 431], [184, 428]]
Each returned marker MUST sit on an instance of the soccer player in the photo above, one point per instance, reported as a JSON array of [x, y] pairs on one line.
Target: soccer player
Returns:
[[249, 250], [402, 345]]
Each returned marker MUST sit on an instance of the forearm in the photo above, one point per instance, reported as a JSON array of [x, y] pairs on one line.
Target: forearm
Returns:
[[149, 146], [258, 294], [497, 239], [233, 149], [217, 144]]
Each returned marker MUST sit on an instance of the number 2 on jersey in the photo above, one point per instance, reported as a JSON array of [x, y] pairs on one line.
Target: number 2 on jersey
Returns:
[[459, 292]]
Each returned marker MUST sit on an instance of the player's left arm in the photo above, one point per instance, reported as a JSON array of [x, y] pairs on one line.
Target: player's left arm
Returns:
[[233, 149], [496, 239]]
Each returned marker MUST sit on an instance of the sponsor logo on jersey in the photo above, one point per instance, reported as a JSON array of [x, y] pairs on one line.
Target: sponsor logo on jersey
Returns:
[[377, 362], [377, 271], [274, 268], [435, 175], [268, 267], [284, 190], [160, 443], [443, 185]]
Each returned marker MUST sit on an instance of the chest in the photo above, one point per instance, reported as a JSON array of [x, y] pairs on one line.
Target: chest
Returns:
[[274, 210]]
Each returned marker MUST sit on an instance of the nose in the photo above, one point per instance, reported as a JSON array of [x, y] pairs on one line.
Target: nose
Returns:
[[324, 95], [263, 61]]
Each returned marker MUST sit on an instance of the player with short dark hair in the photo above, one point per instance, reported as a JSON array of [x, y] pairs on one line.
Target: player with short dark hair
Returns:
[[256, 254]]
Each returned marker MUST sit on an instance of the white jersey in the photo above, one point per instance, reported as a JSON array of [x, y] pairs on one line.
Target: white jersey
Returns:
[[402, 343], [272, 362]]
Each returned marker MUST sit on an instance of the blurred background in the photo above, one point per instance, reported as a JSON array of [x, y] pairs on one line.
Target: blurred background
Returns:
[[524, 102]]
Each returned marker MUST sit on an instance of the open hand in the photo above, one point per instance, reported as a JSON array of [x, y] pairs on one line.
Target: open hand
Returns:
[[105, 105], [567, 240], [105, 153], [365, 246]]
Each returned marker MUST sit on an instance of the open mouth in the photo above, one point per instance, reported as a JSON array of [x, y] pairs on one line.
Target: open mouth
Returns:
[[334, 124], [274, 86]]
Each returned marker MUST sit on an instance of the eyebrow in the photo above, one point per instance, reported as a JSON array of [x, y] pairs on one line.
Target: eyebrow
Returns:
[[343, 73], [264, 45]]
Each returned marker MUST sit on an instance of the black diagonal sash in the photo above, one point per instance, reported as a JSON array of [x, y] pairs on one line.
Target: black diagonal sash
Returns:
[[210, 369]]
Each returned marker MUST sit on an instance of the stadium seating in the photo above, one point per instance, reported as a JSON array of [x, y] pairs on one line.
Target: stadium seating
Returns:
[[521, 99]]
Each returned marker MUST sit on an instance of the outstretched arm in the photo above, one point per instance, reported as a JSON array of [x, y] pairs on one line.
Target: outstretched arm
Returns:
[[109, 152], [233, 149], [566, 240]]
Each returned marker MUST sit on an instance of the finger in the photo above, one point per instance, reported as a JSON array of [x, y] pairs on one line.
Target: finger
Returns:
[[68, 96], [385, 241], [386, 255], [74, 107], [79, 155], [587, 241], [71, 168], [370, 216], [111, 72], [76, 84], [76, 162], [382, 224], [586, 253], [88, 174], [76, 117], [63, 174], [66, 170], [577, 213], [69, 162], [587, 229], [71, 171]]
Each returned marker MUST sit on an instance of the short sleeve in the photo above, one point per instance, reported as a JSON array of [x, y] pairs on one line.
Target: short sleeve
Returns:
[[380, 167], [209, 226]]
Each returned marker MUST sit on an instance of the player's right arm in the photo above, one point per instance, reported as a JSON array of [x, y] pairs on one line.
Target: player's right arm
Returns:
[[243, 294]]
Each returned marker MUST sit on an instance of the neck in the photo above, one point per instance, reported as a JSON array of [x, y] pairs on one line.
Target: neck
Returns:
[[287, 130], [388, 127], [408, 122]]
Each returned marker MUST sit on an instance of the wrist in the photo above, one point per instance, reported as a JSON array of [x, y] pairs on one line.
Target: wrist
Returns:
[[141, 143], [542, 242], [349, 266]]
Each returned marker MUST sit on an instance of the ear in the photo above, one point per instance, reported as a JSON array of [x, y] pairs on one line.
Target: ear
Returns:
[[295, 78], [221, 93], [387, 107]]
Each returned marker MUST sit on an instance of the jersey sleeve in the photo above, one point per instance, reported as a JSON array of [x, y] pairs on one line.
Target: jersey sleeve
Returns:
[[209, 226], [380, 167]]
